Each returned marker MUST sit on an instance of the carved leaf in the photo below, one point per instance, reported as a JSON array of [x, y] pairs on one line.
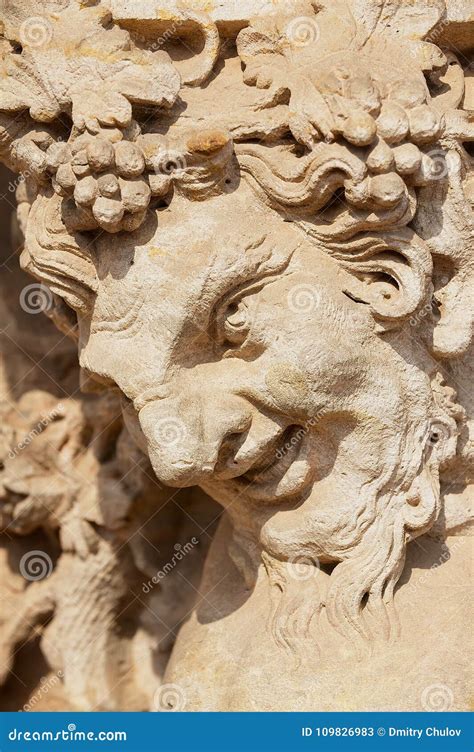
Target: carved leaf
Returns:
[[396, 17], [23, 87]]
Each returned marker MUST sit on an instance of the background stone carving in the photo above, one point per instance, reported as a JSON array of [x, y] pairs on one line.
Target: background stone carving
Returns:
[[83, 522]]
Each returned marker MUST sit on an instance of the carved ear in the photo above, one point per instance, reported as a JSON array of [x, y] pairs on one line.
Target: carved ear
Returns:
[[60, 259], [391, 273], [423, 498], [422, 502]]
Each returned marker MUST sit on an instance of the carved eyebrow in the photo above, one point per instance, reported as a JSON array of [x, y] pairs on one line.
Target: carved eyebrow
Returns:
[[247, 268], [264, 276], [251, 261], [250, 287]]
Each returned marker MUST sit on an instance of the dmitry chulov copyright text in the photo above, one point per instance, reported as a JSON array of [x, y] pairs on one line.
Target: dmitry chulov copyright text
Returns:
[[417, 733]]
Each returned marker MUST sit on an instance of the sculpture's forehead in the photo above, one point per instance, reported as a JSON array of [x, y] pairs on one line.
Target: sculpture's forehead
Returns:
[[185, 236], [212, 242]]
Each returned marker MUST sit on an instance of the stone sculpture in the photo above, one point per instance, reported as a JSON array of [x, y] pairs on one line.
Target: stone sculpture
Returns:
[[256, 221]]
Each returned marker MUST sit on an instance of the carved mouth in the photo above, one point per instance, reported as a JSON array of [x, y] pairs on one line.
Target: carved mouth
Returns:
[[283, 471], [266, 466]]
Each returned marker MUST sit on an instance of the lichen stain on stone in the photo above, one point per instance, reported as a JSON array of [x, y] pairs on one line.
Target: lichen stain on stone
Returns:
[[207, 142]]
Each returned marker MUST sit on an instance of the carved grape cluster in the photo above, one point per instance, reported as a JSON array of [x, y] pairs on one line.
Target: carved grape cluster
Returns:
[[105, 180], [394, 128], [399, 112]]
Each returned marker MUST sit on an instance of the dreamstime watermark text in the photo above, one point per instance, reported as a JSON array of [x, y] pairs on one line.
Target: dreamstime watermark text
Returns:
[[37, 429], [180, 553], [70, 734]]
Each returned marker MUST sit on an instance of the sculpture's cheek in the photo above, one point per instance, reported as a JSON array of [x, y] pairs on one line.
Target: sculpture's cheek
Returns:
[[288, 387]]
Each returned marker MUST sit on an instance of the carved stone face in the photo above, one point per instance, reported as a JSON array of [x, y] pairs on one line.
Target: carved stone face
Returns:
[[260, 231], [246, 367]]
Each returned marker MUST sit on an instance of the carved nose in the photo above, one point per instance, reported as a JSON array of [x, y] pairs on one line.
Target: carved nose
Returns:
[[187, 436]]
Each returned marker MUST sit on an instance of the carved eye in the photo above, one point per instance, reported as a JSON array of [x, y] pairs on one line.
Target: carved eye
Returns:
[[236, 322]]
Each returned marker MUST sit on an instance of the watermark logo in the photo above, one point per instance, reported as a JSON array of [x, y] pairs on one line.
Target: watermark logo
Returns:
[[171, 163], [35, 31], [438, 698], [437, 163], [170, 431], [169, 698], [36, 298], [302, 31], [303, 298], [302, 567], [35, 566]]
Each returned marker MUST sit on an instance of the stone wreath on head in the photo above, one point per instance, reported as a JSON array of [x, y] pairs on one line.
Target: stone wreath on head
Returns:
[[376, 167]]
